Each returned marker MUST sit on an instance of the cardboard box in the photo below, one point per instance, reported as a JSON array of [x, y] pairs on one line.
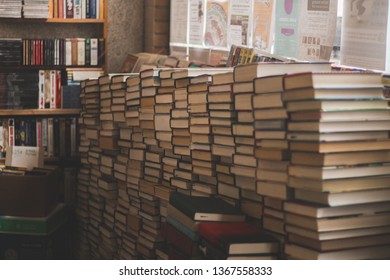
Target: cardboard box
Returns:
[[29, 195]]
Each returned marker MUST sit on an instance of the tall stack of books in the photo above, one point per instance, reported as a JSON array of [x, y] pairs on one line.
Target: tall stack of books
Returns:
[[203, 161], [270, 118], [149, 204], [163, 107], [89, 205], [244, 162], [339, 141]]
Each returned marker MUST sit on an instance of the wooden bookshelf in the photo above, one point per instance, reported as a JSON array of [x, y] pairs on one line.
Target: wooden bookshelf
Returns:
[[40, 112]]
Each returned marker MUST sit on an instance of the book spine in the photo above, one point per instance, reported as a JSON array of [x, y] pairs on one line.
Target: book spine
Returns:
[[39, 133], [73, 137], [41, 88], [87, 8], [74, 51], [69, 8], [58, 89], [53, 88], [94, 52], [68, 52], [83, 8], [60, 8], [44, 135], [11, 132], [50, 138], [80, 51], [92, 8], [77, 9], [87, 51], [101, 51]]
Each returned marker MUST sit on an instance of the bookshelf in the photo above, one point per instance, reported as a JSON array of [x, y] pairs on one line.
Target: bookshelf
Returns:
[[38, 112]]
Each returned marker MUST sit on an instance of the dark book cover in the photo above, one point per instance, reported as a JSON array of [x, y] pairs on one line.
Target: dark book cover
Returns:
[[205, 208], [69, 8], [179, 240]]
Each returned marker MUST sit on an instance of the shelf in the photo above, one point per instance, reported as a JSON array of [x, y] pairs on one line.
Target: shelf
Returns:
[[40, 112], [73, 20], [58, 20]]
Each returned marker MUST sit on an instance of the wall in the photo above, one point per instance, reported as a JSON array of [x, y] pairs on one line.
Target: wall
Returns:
[[125, 31]]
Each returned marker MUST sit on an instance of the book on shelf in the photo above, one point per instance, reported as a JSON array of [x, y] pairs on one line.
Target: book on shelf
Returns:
[[205, 208]]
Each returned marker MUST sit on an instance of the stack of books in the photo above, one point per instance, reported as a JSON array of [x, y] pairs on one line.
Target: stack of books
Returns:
[[11, 9], [237, 241], [244, 162], [339, 141], [203, 162], [186, 212], [89, 206], [36, 9], [270, 118]]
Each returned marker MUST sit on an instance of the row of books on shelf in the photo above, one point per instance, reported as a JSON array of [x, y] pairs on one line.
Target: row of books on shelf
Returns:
[[40, 89], [52, 52], [243, 55], [43, 9], [57, 136], [78, 9]]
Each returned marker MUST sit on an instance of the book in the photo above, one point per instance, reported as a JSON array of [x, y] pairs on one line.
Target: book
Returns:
[[346, 158], [236, 238], [342, 79], [337, 136], [369, 252], [339, 185], [338, 223], [338, 172], [343, 198], [334, 93], [205, 208], [339, 244], [248, 72], [345, 116], [336, 105], [315, 210], [340, 146]]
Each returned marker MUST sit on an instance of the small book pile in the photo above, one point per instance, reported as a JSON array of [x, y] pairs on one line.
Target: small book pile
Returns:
[[36, 9], [339, 141], [237, 241], [11, 9], [185, 213]]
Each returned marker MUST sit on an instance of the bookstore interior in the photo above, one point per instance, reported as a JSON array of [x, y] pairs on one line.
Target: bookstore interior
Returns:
[[241, 130]]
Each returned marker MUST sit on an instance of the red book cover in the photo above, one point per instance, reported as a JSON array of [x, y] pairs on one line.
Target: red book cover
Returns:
[[238, 237], [179, 240]]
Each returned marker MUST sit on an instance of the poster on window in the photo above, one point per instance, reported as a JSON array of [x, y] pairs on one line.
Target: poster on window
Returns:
[[179, 15], [364, 32], [216, 32], [263, 23], [196, 22], [240, 22], [305, 29]]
